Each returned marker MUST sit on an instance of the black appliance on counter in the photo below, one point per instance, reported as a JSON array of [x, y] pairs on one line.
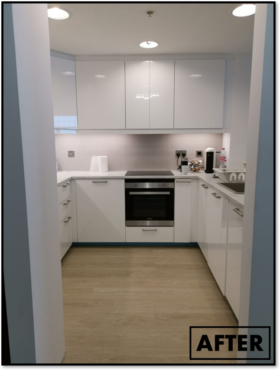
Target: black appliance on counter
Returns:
[[149, 201]]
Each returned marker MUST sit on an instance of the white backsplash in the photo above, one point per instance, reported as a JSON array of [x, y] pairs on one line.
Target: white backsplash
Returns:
[[131, 152]]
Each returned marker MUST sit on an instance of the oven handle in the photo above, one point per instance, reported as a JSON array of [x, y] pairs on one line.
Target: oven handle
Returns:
[[149, 193]]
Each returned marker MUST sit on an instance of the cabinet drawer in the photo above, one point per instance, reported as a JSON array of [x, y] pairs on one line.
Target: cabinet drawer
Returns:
[[64, 209], [149, 234], [63, 191]]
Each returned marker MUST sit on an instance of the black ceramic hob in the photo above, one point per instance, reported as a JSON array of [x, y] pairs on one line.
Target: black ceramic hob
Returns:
[[149, 173]]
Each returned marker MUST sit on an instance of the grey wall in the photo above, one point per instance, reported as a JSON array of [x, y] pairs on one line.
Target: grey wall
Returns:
[[261, 310], [126, 152], [32, 265], [16, 242]]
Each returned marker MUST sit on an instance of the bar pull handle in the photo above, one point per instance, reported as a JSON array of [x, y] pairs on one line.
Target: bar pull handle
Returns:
[[216, 196], [149, 229], [69, 200], [100, 182], [187, 181], [149, 193], [237, 210], [203, 185]]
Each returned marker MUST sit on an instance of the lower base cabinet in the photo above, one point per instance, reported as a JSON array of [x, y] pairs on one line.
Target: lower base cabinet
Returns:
[[100, 211], [149, 234], [234, 256], [182, 210], [216, 235], [65, 235], [201, 216]]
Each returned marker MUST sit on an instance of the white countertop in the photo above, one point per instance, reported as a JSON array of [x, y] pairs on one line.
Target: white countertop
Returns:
[[63, 176]]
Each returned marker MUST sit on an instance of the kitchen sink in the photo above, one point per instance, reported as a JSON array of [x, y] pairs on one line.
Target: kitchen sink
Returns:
[[235, 187]]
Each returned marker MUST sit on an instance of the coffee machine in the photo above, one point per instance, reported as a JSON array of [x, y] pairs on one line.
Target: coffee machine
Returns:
[[210, 158]]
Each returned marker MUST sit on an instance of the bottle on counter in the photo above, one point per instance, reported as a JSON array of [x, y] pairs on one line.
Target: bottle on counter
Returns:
[[223, 158]]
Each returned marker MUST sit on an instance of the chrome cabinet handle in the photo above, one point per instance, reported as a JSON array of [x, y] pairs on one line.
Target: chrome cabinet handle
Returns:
[[100, 182], [64, 186], [68, 183], [216, 196], [184, 181], [237, 210], [69, 200], [203, 185], [149, 229], [67, 219], [149, 193], [65, 204]]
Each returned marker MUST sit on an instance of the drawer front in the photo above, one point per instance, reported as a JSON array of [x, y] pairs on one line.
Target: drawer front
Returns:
[[63, 210], [149, 234], [63, 192]]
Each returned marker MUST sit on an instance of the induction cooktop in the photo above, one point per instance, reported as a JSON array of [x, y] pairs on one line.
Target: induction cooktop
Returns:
[[149, 173]]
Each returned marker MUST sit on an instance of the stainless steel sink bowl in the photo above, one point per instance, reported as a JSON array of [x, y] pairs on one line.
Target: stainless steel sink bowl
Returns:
[[235, 187]]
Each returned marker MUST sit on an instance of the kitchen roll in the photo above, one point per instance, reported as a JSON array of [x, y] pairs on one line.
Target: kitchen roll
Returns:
[[94, 165], [103, 163]]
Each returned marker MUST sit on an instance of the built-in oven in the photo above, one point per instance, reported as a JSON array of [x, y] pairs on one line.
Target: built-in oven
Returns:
[[149, 202]]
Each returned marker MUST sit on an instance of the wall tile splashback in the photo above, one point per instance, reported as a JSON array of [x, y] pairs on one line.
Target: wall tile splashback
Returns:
[[131, 152]]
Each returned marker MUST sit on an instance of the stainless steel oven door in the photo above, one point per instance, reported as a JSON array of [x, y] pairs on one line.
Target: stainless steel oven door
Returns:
[[151, 205]]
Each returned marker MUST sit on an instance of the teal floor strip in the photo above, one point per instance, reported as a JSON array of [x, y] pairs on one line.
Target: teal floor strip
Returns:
[[76, 244]]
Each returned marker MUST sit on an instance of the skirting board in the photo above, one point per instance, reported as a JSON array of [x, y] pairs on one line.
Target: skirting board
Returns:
[[77, 244]]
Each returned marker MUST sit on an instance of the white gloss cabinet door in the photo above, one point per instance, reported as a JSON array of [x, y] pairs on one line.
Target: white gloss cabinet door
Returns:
[[199, 93], [65, 236], [100, 210], [64, 92], [137, 94], [216, 235], [202, 203], [100, 94], [182, 219], [234, 256], [161, 94]]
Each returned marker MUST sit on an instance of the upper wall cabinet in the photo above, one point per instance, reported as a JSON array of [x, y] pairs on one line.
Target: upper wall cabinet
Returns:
[[161, 94], [100, 94], [199, 93], [64, 92], [149, 94], [137, 94]]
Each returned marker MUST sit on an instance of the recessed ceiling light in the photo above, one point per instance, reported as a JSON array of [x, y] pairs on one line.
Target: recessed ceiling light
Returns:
[[58, 14], [244, 10], [195, 75], [68, 73], [149, 44]]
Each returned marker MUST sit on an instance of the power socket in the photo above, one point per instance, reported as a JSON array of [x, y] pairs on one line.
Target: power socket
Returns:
[[181, 152], [71, 153]]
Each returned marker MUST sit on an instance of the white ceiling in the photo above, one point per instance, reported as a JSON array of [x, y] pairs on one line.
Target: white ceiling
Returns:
[[116, 29]]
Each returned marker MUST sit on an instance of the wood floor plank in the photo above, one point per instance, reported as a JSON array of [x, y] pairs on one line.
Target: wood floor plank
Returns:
[[135, 305]]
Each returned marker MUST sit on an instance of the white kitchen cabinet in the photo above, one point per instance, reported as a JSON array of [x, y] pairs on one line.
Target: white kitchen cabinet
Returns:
[[63, 191], [64, 92], [100, 210], [161, 94], [202, 204], [65, 235], [100, 94], [182, 217], [216, 235], [137, 77], [234, 256], [199, 93], [149, 234]]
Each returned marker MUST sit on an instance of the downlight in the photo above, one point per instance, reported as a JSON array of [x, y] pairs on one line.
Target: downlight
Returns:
[[148, 44], [244, 10], [58, 14]]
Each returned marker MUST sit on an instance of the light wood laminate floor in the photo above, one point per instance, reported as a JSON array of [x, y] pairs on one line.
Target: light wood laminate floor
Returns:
[[136, 304]]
